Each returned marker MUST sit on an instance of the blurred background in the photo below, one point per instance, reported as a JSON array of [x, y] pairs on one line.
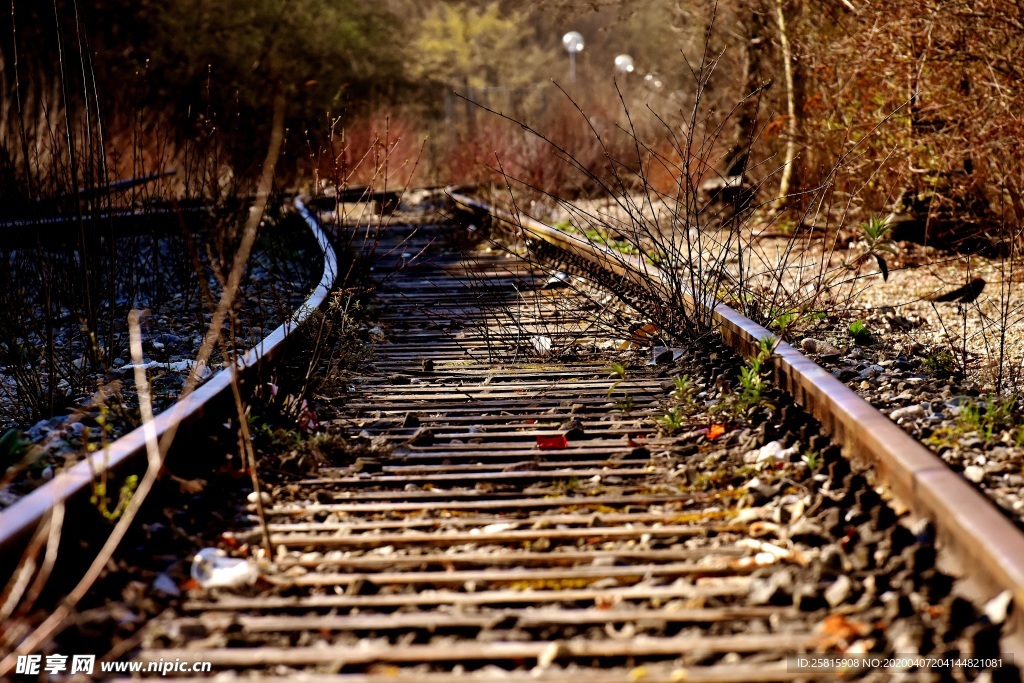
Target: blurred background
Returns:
[[143, 86]]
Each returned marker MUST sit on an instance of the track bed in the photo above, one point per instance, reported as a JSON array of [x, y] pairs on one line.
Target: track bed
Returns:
[[522, 510]]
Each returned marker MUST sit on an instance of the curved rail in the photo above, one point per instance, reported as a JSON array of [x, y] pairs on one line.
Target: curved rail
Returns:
[[980, 538], [18, 520]]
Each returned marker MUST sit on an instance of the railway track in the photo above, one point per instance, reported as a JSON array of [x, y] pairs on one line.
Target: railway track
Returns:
[[530, 502]]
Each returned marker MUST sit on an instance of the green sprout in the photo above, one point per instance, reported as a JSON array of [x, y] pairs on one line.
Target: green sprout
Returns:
[[860, 333]]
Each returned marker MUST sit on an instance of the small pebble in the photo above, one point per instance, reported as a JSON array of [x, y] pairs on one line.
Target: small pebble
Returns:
[[262, 496], [974, 473], [839, 591], [908, 412], [998, 608], [165, 584], [819, 347]]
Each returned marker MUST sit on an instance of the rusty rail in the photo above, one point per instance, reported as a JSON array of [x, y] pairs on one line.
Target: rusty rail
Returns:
[[987, 546], [18, 520]]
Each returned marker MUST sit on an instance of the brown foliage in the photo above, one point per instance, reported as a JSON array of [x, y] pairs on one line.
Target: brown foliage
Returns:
[[952, 70]]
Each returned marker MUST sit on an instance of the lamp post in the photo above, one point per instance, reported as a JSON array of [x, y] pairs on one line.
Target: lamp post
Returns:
[[573, 43], [624, 64]]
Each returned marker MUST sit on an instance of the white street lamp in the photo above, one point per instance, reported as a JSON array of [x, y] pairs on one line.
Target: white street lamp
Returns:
[[573, 43], [653, 82], [624, 64]]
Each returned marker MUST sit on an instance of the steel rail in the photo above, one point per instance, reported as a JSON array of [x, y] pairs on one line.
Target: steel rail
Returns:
[[20, 519], [985, 544]]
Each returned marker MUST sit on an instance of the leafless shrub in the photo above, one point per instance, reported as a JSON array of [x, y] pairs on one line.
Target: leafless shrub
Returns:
[[685, 213]]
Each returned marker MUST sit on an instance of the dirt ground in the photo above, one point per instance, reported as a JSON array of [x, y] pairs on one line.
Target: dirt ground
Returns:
[[974, 338]]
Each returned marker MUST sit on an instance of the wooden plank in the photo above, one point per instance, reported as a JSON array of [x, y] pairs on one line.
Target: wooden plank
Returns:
[[580, 447], [600, 386], [733, 588], [504, 466], [496, 435], [470, 651], [553, 559], [448, 403], [538, 501], [484, 417], [763, 672], [481, 521], [526, 404], [529, 618], [433, 494], [600, 534], [483, 439], [505, 396], [504, 455], [469, 479], [728, 567]]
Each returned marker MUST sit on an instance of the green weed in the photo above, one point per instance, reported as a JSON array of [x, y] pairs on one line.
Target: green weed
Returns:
[[877, 233], [812, 459], [562, 486], [988, 417], [860, 333], [752, 381], [12, 448], [940, 362], [101, 500], [672, 421], [784, 322], [617, 370], [682, 393]]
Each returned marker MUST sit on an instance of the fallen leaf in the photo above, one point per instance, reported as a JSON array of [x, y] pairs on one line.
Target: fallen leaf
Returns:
[[191, 585], [644, 333], [839, 629], [231, 471], [548, 443], [715, 432], [189, 487], [388, 670], [638, 673]]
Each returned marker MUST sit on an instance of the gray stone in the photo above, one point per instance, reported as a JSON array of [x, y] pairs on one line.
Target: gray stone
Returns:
[[998, 608], [839, 591], [820, 347], [263, 497], [908, 412], [871, 371], [975, 473], [165, 584], [163, 340]]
